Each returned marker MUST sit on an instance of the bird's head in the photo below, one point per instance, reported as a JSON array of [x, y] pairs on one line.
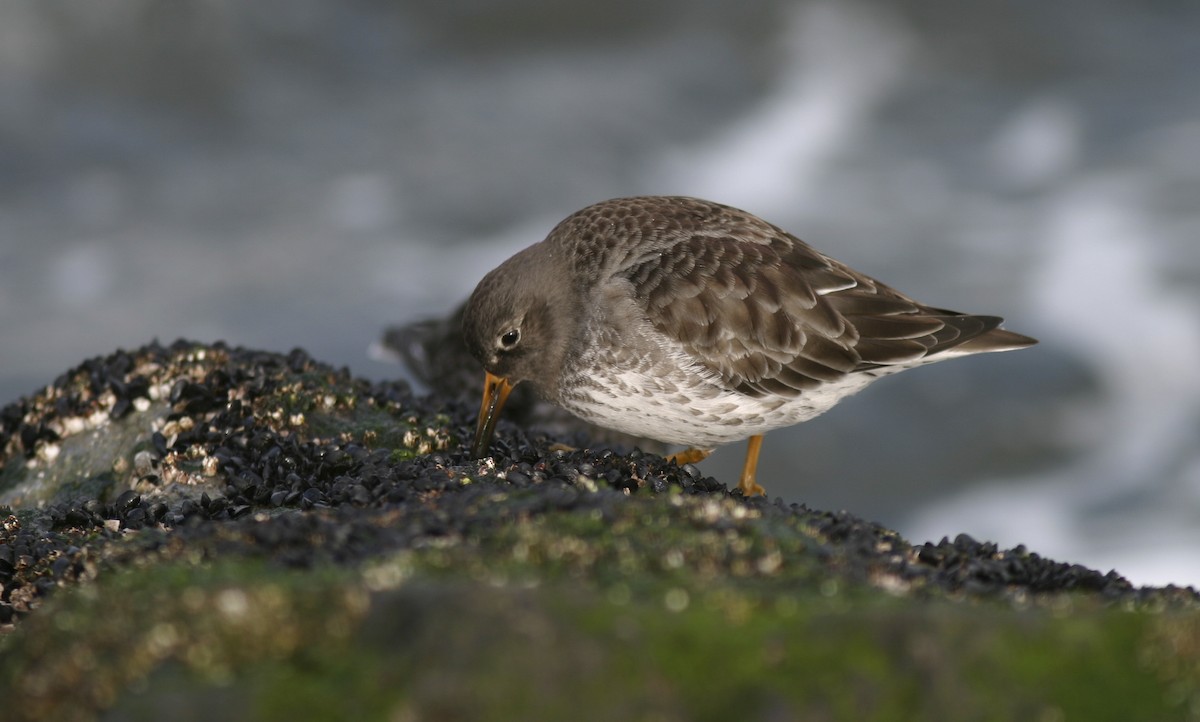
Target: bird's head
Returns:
[[517, 325]]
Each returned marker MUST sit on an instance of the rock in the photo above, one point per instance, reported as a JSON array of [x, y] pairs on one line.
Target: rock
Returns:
[[313, 546]]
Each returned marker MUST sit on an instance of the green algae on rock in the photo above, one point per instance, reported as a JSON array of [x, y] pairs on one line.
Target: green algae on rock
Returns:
[[198, 523]]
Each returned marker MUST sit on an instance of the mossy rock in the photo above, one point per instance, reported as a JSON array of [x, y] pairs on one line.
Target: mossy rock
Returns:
[[244, 535]]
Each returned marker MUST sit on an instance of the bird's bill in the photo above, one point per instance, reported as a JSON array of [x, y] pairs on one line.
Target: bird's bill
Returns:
[[495, 392]]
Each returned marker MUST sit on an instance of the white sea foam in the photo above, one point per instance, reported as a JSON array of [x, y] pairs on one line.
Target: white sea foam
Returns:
[[839, 62]]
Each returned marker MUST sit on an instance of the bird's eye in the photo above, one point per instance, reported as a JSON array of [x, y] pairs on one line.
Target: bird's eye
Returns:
[[510, 338]]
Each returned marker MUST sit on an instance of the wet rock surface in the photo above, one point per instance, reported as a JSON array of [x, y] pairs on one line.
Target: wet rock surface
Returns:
[[169, 462]]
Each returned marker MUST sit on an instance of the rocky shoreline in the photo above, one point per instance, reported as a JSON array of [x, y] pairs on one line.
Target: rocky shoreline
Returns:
[[279, 492]]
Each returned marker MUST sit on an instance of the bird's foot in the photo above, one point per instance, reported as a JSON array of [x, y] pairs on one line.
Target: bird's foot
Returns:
[[746, 484], [750, 487], [689, 456]]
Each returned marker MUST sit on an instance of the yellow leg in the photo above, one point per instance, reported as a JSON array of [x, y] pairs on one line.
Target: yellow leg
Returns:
[[689, 456], [747, 484]]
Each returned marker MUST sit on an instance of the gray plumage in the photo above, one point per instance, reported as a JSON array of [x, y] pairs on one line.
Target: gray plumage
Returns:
[[692, 322]]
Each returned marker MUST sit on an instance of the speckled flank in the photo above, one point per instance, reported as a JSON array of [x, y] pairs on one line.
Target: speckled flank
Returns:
[[664, 394]]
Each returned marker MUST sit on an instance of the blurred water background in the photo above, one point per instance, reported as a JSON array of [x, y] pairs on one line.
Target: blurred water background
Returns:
[[299, 173]]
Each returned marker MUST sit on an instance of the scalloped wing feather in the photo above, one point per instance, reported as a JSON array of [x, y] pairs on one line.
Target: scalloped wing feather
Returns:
[[771, 315]]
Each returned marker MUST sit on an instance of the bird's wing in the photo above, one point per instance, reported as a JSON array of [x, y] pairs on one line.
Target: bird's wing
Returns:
[[770, 315]]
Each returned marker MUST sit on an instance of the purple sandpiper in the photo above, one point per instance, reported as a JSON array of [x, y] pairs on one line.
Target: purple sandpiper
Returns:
[[698, 324]]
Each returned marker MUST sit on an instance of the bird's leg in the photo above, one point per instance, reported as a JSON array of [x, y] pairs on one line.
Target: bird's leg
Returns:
[[747, 484], [689, 456]]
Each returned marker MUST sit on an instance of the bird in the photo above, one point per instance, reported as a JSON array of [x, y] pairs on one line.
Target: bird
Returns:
[[696, 324]]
